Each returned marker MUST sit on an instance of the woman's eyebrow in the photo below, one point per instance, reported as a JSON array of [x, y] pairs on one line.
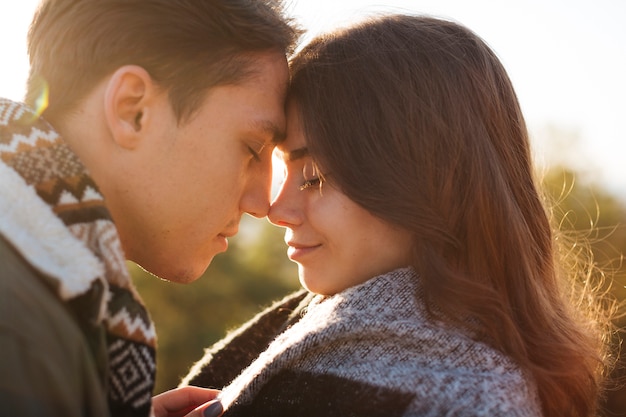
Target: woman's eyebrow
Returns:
[[297, 154]]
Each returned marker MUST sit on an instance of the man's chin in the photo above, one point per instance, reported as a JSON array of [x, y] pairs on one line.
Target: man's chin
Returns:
[[180, 274]]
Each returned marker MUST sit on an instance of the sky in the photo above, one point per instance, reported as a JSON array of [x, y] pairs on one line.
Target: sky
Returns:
[[566, 59]]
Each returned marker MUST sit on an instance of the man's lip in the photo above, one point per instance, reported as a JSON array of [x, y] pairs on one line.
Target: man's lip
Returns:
[[229, 233]]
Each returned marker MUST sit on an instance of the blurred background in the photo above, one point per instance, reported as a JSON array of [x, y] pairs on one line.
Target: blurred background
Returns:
[[567, 60]]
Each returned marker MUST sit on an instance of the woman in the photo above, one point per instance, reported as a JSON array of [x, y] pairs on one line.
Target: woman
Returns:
[[410, 207]]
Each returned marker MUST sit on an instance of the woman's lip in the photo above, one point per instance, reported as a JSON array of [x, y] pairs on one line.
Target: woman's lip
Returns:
[[295, 252]]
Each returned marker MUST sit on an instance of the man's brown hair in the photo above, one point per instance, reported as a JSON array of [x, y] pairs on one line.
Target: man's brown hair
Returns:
[[187, 46]]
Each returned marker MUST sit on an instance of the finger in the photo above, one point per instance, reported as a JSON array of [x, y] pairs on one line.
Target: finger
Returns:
[[180, 401], [211, 409]]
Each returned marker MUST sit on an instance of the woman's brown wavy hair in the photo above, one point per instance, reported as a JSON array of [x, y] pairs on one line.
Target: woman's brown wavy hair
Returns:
[[415, 119]]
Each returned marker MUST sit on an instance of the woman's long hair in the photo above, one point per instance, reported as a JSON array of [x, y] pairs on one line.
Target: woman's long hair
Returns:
[[415, 119]]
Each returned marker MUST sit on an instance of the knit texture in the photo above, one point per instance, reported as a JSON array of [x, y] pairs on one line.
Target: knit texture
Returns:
[[55, 216], [372, 350]]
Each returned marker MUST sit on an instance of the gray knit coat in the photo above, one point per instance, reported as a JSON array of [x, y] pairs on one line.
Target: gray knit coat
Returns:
[[370, 350]]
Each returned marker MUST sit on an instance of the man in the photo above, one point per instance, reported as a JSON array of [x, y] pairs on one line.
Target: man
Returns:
[[150, 132]]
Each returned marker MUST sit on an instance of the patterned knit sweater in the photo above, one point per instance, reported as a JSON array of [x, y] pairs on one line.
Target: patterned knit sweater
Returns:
[[53, 214], [370, 350]]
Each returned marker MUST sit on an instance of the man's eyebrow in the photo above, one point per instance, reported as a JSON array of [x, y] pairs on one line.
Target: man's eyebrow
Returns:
[[297, 154], [268, 127]]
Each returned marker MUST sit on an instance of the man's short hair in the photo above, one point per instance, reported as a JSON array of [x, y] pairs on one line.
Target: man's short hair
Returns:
[[187, 46]]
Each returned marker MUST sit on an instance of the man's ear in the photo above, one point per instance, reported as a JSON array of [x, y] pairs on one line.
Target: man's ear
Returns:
[[127, 99]]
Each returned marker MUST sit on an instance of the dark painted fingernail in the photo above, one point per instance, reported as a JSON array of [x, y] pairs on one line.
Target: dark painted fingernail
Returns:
[[214, 410]]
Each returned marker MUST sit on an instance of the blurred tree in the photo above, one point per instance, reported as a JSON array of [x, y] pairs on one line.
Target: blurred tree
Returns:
[[594, 215], [591, 216]]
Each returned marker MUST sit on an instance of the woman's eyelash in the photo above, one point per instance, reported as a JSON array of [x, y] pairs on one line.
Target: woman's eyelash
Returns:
[[309, 183]]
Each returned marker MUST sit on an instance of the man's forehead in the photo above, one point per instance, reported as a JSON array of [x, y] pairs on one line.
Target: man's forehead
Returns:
[[270, 129]]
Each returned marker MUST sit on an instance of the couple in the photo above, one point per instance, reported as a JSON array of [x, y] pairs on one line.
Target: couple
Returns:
[[433, 286]]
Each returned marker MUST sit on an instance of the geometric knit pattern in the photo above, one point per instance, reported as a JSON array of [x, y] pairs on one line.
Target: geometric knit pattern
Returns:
[[46, 165], [369, 350], [132, 370]]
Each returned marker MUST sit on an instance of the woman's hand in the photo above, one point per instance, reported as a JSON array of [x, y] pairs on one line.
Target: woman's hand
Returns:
[[187, 402]]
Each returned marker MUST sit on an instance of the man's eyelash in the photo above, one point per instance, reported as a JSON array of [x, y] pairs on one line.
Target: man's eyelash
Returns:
[[309, 183], [255, 154]]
